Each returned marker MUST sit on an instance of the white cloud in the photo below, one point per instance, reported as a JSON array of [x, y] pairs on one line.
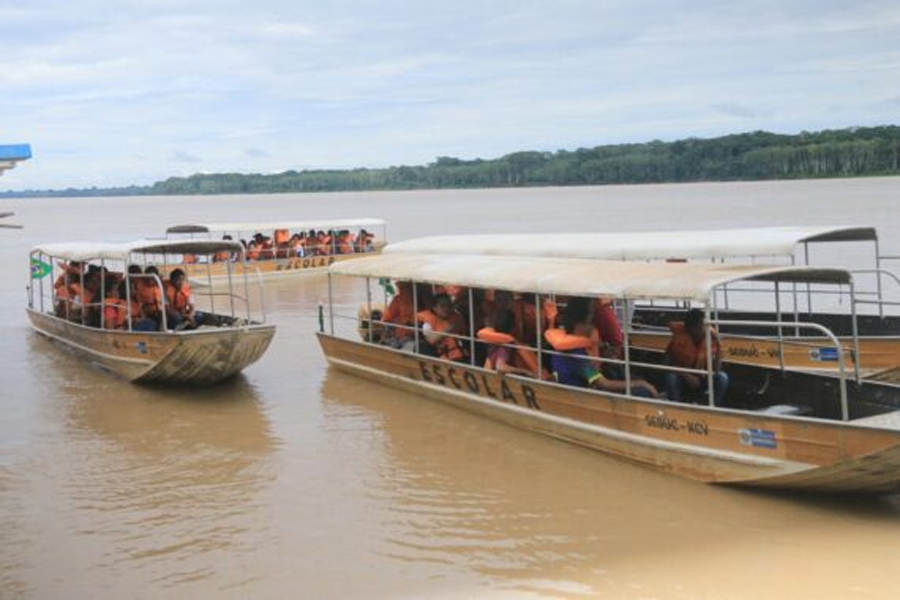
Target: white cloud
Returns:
[[134, 92]]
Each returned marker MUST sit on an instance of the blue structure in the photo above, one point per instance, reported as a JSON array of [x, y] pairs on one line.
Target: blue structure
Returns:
[[12, 154]]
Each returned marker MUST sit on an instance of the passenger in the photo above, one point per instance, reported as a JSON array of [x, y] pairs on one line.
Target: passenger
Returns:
[[437, 322], [576, 341], [607, 323], [343, 244], [282, 238], [298, 245], [225, 255], [147, 293], [115, 308], [252, 251], [87, 298], [687, 349], [500, 357], [266, 248], [400, 311], [180, 311]]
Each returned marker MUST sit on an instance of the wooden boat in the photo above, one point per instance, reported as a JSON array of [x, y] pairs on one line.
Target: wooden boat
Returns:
[[279, 261], [221, 346], [848, 440], [878, 333]]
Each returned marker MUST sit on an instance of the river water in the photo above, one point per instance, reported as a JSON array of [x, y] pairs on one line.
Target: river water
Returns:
[[294, 480]]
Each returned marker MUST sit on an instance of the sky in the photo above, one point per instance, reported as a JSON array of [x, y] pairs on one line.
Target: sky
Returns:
[[117, 93]]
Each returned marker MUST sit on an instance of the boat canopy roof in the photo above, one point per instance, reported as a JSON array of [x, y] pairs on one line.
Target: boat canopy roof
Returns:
[[638, 245], [273, 225], [81, 251], [579, 277]]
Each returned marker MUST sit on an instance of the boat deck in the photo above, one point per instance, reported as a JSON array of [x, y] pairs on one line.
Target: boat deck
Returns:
[[889, 420]]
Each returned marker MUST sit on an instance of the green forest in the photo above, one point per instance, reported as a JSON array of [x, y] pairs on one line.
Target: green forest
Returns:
[[858, 151]]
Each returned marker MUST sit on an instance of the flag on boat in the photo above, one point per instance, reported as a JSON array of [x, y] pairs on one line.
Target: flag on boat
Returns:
[[39, 268]]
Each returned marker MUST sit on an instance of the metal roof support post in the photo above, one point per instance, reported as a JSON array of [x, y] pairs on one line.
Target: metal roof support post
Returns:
[[539, 336], [415, 293], [626, 346], [30, 288], [471, 327], [102, 294], [330, 305], [855, 332], [230, 271], [369, 305], [128, 295], [710, 381], [808, 285], [212, 295], [81, 278], [41, 280], [878, 276], [795, 300], [780, 330], [246, 283]]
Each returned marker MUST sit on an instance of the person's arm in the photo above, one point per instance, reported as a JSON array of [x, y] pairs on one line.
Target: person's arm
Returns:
[[503, 365]]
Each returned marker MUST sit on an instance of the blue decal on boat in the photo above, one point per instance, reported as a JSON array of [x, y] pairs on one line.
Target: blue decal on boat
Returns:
[[828, 354], [141, 347], [761, 438]]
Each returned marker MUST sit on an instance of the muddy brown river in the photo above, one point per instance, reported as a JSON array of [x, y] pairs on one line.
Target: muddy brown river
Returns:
[[296, 481]]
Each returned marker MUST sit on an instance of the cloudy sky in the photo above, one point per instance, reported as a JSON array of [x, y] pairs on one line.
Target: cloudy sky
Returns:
[[113, 93]]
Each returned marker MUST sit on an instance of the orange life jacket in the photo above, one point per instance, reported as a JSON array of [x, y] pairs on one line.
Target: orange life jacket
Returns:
[[281, 237], [147, 293], [179, 300], [189, 259], [400, 312], [447, 347], [222, 257], [115, 313], [253, 253], [683, 352]]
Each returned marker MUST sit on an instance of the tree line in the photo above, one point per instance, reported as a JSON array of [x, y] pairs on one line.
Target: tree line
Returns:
[[858, 151]]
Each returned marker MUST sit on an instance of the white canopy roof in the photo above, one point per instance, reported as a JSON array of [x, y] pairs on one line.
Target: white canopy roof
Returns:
[[273, 225], [637, 245], [81, 251], [577, 277]]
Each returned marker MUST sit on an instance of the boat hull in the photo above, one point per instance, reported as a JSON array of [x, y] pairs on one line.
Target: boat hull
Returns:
[[710, 445], [274, 269], [876, 354], [201, 356]]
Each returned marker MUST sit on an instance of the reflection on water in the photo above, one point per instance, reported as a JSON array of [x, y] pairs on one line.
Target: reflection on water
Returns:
[[158, 479], [536, 516]]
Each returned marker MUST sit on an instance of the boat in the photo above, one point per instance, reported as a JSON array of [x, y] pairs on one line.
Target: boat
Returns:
[[268, 248], [812, 431], [228, 339], [4, 215], [878, 332]]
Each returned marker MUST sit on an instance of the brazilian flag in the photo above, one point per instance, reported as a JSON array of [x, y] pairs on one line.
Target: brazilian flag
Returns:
[[387, 285], [40, 269]]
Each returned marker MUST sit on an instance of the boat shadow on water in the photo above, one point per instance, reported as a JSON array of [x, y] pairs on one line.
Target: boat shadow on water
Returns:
[[464, 492]]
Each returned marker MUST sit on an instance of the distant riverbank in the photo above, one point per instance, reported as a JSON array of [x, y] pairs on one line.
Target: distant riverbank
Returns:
[[760, 155]]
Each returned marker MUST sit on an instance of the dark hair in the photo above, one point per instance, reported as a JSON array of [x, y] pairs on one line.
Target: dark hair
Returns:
[[693, 318], [504, 321], [438, 298], [577, 311], [134, 269], [111, 284], [175, 274], [151, 270]]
